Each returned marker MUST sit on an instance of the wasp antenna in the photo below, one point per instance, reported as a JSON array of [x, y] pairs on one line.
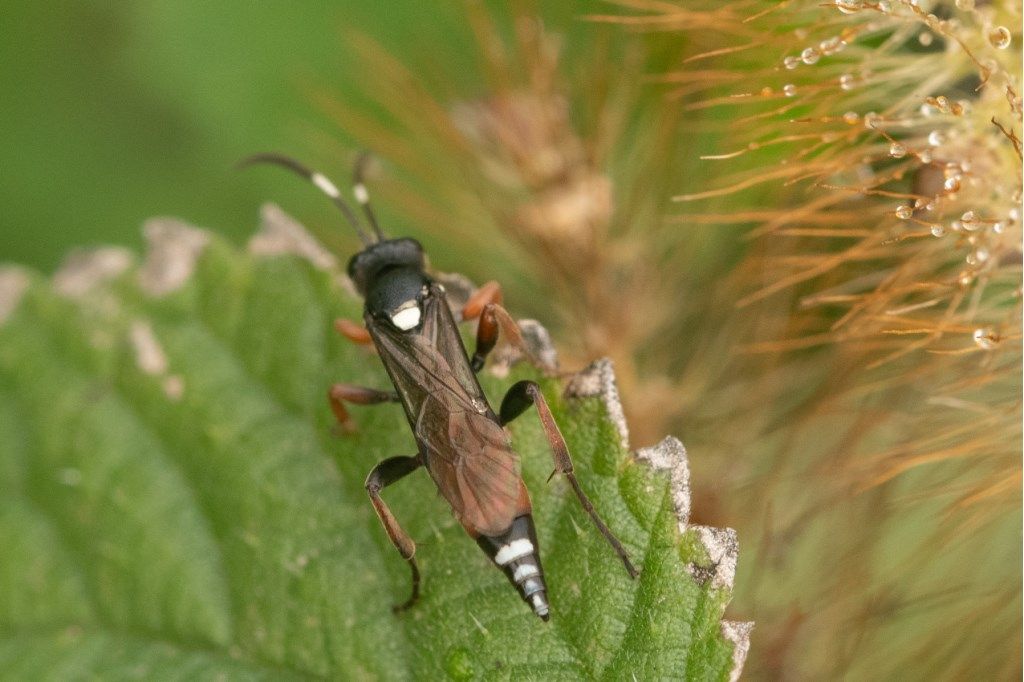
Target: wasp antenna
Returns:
[[362, 195], [321, 181]]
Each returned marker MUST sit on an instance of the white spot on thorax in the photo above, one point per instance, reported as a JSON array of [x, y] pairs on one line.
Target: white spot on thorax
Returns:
[[407, 318], [516, 549], [325, 185]]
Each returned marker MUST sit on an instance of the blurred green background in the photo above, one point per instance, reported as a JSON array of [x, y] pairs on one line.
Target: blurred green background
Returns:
[[115, 112]]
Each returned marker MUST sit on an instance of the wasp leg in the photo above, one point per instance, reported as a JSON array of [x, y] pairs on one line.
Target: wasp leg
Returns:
[[339, 394], [485, 303], [354, 332], [383, 475], [493, 318], [520, 397], [488, 293]]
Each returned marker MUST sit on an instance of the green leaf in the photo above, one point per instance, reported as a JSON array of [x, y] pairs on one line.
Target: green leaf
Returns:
[[176, 506]]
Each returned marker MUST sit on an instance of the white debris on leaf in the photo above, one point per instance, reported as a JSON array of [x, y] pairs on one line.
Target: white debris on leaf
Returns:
[[539, 349], [85, 269], [174, 247], [737, 632], [723, 548], [670, 455], [152, 360], [149, 354], [281, 234], [720, 544], [539, 345], [174, 387], [598, 380], [14, 283]]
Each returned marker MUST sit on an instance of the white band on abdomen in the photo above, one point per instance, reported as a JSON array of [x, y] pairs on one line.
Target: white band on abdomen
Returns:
[[516, 549]]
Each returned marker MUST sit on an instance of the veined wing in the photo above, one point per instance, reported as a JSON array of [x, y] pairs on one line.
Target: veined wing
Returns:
[[470, 458], [465, 450]]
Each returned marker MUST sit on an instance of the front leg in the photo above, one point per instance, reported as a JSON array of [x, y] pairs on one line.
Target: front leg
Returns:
[[383, 475], [485, 303], [521, 396], [339, 394], [353, 331]]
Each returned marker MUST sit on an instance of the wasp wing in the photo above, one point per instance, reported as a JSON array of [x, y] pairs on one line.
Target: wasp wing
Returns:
[[464, 448]]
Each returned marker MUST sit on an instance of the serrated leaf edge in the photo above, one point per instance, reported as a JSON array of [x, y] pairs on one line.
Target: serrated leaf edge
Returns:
[[720, 544]]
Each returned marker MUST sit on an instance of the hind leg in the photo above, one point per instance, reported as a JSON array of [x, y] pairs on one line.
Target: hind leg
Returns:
[[520, 397], [384, 474]]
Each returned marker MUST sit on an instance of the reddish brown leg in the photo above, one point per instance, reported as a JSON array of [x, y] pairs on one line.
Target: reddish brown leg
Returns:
[[485, 303], [520, 397], [339, 394], [383, 475], [493, 318], [353, 332], [488, 293]]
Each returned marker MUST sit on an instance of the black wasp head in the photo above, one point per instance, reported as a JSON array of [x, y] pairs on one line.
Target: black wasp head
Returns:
[[391, 276], [370, 263]]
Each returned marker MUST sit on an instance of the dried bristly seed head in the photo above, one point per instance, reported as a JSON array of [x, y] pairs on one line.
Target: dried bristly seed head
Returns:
[[567, 212], [937, 152], [913, 297]]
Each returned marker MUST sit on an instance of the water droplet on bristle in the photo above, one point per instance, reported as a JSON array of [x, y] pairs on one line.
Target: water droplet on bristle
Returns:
[[847, 82], [897, 150], [965, 4], [789, 90], [938, 231], [810, 56], [903, 212], [936, 138], [791, 62], [831, 45], [999, 37], [986, 338], [849, 6]]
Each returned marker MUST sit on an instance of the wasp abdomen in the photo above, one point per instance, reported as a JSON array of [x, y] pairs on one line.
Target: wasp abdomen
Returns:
[[517, 554]]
